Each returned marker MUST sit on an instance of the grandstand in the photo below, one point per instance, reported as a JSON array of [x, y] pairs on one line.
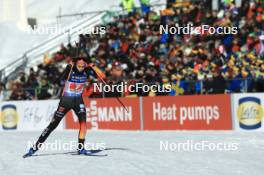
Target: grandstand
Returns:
[[133, 49]]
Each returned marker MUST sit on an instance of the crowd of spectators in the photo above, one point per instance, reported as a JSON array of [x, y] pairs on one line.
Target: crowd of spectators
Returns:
[[134, 50]]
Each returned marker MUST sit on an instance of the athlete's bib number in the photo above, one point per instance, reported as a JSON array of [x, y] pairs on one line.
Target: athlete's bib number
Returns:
[[73, 87]]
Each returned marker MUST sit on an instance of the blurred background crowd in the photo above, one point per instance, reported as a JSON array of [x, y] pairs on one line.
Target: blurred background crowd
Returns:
[[134, 50]]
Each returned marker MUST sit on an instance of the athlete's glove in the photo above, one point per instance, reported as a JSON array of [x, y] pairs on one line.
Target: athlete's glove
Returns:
[[98, 72]]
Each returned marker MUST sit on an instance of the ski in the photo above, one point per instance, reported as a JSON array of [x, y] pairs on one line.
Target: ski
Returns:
[[91, 154]]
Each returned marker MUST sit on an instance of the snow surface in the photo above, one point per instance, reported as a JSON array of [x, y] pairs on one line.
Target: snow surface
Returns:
[[136, 153]]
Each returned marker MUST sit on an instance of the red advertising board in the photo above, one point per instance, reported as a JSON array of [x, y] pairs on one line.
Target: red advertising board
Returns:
[[197, 112], [108, 113]]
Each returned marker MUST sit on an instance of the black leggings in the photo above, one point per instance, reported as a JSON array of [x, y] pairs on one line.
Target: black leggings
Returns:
[[65, 105]]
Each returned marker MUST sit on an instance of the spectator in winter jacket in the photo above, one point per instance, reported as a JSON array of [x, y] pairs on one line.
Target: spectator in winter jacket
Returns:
[[128, 5]]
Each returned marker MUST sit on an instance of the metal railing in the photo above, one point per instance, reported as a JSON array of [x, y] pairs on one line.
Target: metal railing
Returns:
[[35, 53], [52, 44]]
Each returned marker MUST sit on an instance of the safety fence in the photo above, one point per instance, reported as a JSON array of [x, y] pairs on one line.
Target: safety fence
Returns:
[[193, 112], [178, 87]]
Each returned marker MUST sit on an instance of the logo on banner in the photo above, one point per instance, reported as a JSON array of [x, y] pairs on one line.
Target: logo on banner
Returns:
[[107, 115], [209, 112], [9, 117], [249, 113]]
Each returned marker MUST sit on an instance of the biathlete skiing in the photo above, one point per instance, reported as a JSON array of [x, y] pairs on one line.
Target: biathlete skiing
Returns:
[[75, 76]]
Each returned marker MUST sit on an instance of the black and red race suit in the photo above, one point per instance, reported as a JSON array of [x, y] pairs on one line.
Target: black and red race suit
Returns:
[[71, 99]]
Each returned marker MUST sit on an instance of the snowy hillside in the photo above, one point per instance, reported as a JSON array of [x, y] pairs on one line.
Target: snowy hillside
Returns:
[[15, 42]]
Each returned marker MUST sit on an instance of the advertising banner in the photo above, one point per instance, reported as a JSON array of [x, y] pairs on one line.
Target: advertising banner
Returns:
[[248, 111], [207, 112], [108, 113], [196, 112], [27, 115]]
